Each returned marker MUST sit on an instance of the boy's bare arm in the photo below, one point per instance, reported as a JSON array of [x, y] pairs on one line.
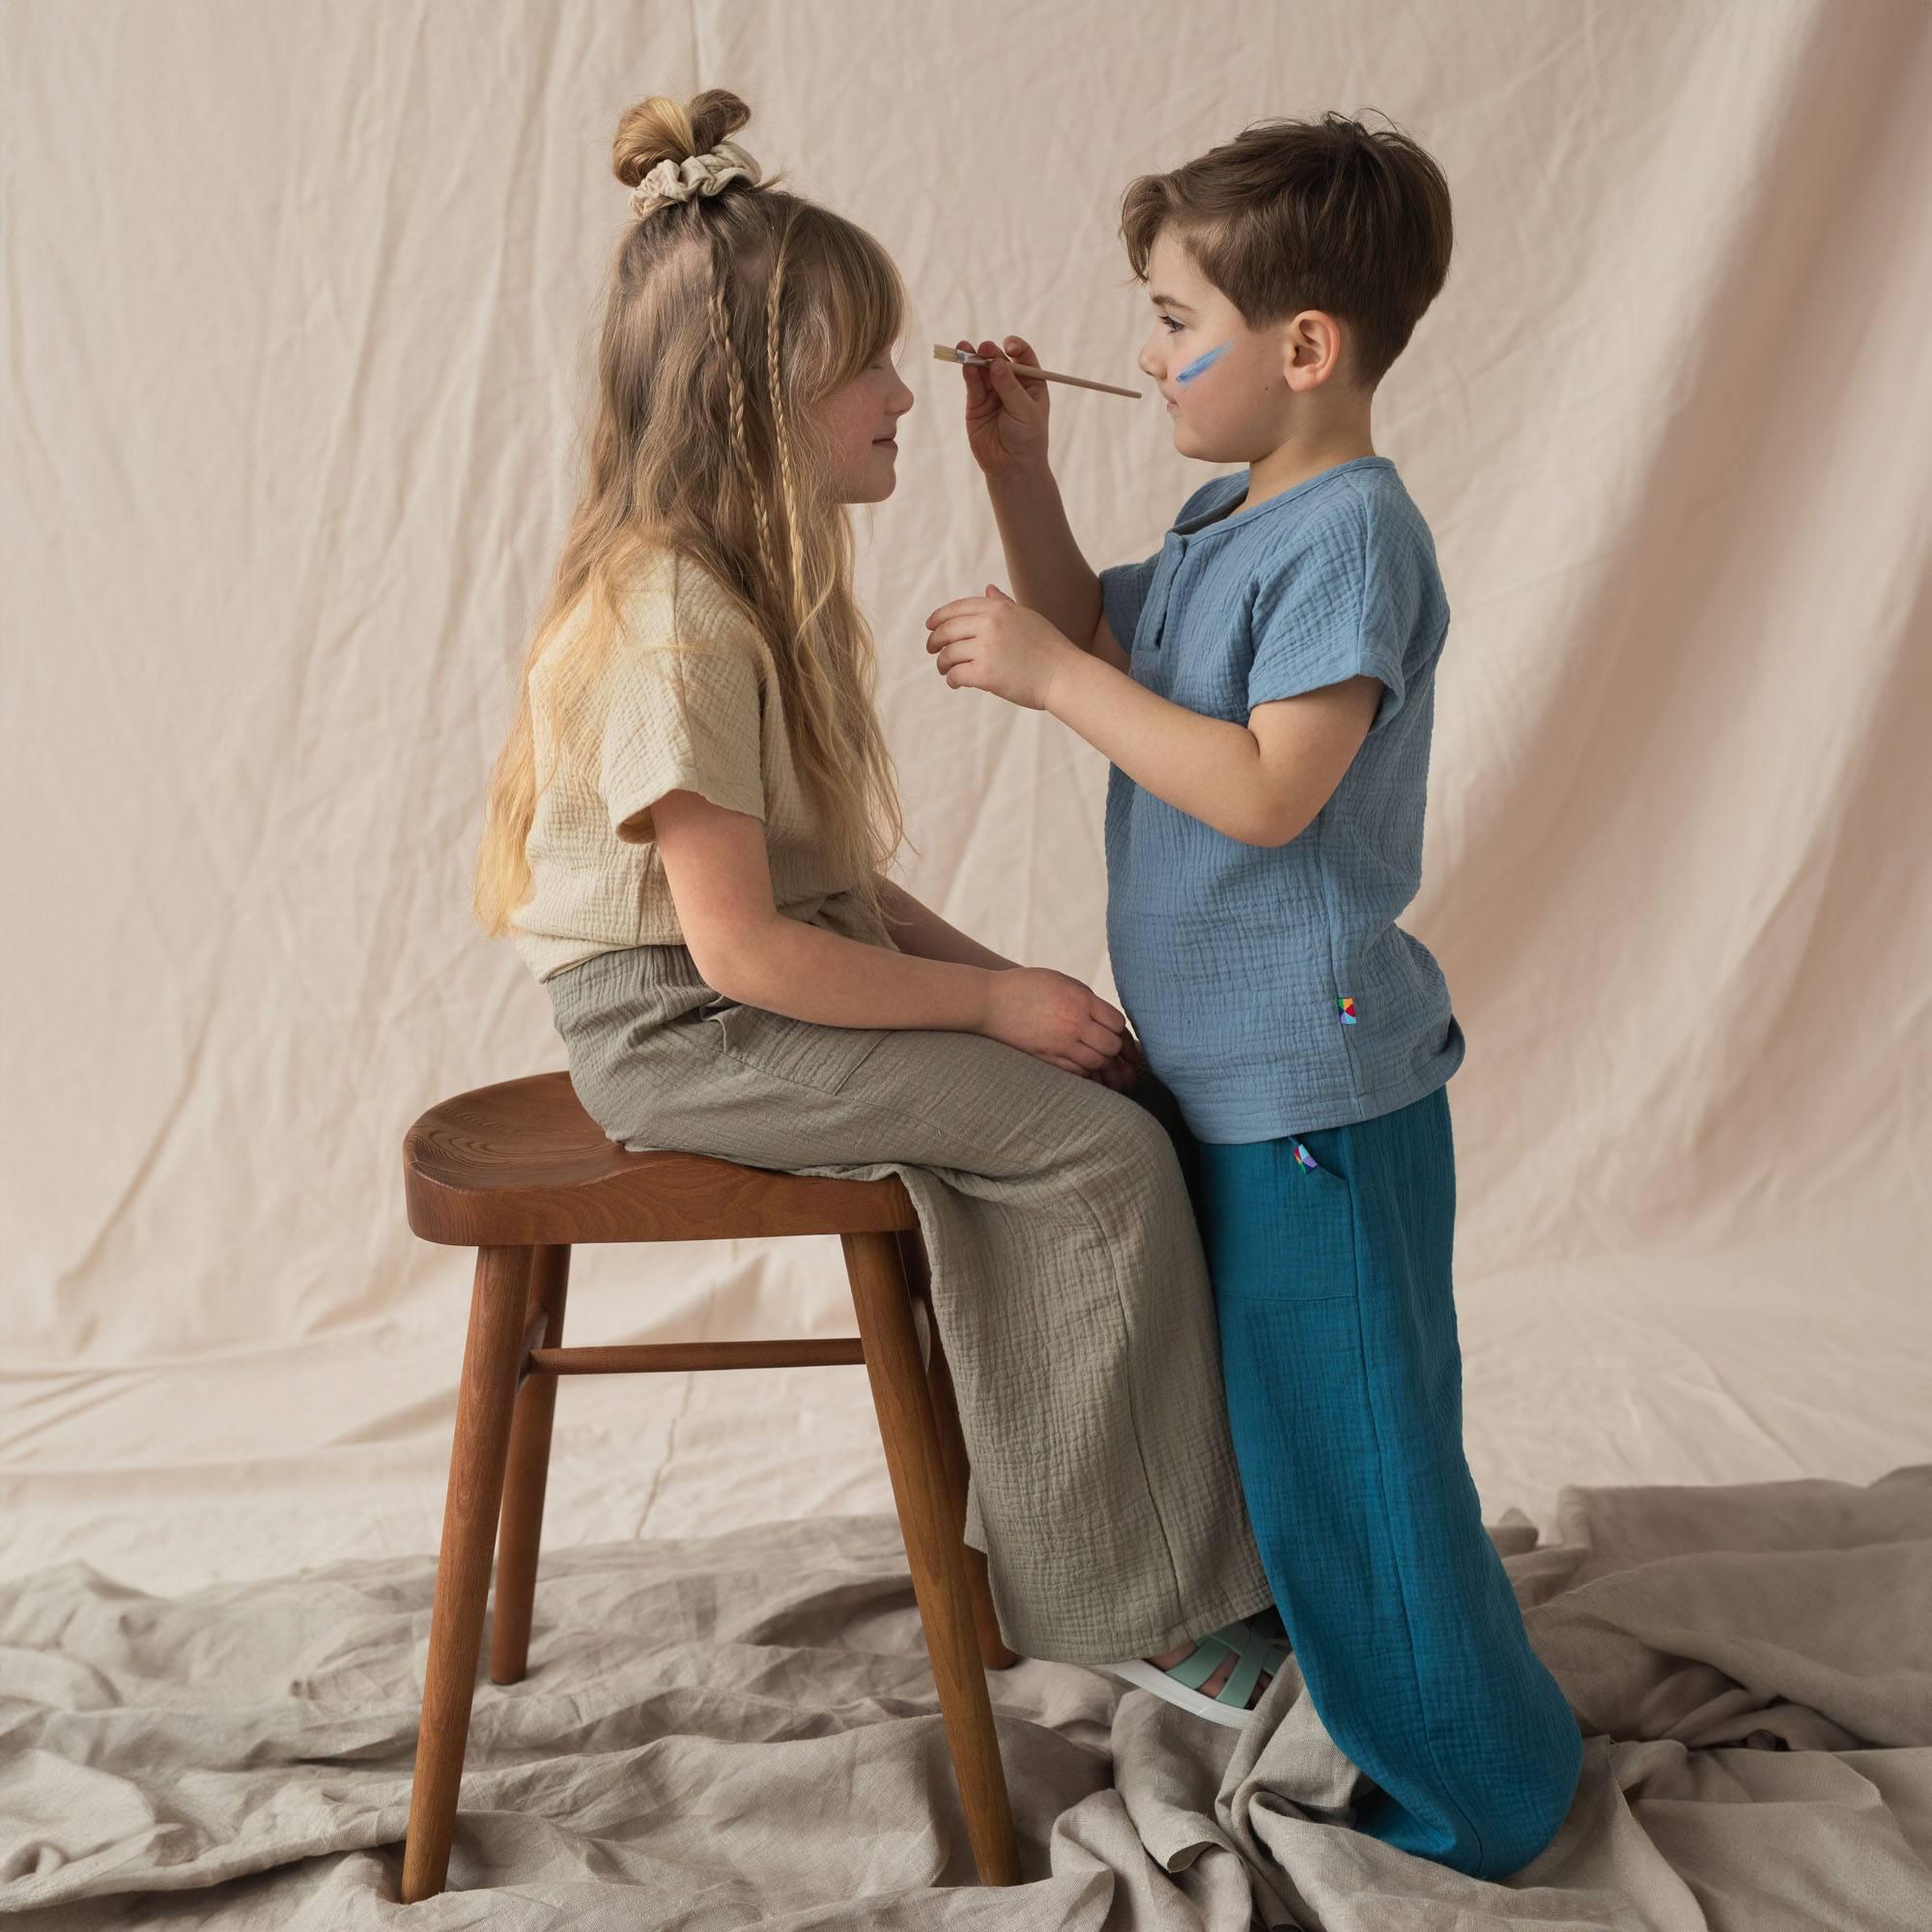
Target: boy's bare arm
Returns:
[[1261, 783], [1048, 573], [1006, 421]]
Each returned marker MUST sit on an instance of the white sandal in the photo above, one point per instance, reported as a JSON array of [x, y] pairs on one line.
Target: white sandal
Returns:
[[1246, 1640]]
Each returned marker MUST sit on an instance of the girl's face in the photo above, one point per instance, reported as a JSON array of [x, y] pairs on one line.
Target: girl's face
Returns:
[[861, 419], [1228, 388]]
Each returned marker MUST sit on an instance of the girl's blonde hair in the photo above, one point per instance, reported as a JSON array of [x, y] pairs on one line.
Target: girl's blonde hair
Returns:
[[730, 317]]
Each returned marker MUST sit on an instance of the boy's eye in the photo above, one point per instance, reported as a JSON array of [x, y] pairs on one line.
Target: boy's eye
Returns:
[[1168, 323]]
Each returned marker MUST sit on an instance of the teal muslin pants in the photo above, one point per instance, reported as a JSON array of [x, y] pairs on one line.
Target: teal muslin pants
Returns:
[[1329, 1253]]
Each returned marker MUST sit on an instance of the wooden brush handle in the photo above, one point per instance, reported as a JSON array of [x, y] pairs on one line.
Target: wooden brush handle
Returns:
[[943, 353]]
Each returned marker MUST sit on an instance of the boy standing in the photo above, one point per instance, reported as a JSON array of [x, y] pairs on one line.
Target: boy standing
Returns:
[[1264, 687]]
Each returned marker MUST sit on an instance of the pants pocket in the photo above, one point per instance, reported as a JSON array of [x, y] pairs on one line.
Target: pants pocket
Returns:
[[823, 1058], [1277, 1228]]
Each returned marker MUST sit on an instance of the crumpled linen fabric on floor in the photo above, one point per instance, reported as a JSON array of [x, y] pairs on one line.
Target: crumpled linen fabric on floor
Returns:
[[721, 1731]]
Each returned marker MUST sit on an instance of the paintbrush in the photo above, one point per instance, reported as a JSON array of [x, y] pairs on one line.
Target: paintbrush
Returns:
[[942, 353]]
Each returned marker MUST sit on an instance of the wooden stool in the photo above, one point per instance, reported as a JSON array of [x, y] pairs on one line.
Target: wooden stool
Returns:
[[520, 1172]]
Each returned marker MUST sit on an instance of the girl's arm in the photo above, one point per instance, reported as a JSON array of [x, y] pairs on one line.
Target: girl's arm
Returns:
[[721, 884], [924, 933], [920, 931]]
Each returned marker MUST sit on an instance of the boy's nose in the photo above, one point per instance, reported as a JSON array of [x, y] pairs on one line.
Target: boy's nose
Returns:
[[1149, 365]]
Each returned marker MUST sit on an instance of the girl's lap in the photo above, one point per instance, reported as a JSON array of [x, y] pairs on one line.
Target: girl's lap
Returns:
[[761, 1088]]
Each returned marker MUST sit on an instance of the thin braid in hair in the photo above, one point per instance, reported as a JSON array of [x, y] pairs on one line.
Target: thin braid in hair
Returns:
[[779, 435], [720, 337]]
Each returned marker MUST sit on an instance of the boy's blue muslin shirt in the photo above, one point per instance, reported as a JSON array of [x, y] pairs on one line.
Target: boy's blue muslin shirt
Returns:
[[1233, 961]]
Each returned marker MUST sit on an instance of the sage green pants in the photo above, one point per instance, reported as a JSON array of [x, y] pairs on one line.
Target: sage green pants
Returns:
[[1068, 1282]]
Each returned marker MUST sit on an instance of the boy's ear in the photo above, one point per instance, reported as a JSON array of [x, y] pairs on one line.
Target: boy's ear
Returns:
[[1311, 349]]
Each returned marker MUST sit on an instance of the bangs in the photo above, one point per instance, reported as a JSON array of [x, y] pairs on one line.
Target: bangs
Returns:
[[866, 300]]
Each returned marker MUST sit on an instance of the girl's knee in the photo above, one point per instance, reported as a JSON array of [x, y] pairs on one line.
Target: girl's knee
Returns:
[[1139, 1152]]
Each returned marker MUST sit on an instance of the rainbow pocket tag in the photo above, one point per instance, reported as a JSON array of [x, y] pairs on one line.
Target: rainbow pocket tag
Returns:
[[1346, 1007], [1306, 1159]]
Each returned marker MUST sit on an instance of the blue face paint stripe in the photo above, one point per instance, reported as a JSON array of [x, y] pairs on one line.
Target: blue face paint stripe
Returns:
[[1201, 363]]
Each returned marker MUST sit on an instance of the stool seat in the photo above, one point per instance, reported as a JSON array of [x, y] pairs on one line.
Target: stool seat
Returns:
[[520, 1163]]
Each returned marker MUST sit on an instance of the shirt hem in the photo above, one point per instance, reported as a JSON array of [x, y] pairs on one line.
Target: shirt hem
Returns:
[[1231, 1130]]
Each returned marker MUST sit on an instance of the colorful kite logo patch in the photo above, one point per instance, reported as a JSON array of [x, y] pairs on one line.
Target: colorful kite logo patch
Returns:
[[1346, 1007], [1303, 1157]]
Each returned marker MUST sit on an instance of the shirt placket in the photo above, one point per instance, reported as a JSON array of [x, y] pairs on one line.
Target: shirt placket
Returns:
[[1159, 592]]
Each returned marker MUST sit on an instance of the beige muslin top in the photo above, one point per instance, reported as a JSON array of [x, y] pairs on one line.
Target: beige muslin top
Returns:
[[707, 717]]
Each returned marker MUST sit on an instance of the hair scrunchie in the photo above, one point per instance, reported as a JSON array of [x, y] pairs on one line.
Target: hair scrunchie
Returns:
[[697, 174]]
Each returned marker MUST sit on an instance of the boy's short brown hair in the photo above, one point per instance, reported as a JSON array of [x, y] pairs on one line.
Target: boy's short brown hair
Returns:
[[1295, 215]]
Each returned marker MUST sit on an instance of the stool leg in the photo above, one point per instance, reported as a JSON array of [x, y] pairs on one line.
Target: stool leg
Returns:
[[904, 1403], [993, 1651], [491, 1357], [523, 1481]]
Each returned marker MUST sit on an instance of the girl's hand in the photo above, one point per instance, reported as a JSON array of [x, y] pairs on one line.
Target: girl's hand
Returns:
[[1005, 417], [1054, 1017], [1125, 1068], [991, 643]]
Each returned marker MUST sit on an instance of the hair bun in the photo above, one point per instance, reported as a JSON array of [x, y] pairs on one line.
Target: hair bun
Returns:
[[662, 128]]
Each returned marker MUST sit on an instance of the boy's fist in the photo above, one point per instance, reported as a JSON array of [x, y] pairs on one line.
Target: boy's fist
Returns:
[[1006, 416]]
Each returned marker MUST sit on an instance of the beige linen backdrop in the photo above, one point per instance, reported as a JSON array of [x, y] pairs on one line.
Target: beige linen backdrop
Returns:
[[298, 308]]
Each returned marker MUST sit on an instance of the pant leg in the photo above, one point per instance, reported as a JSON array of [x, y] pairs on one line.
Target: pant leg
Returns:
[[1343, 1378], [1068, 1282]]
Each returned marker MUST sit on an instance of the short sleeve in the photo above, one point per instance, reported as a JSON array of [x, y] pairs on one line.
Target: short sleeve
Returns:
[[1343, 603], [1123, 590], [681, 717]]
